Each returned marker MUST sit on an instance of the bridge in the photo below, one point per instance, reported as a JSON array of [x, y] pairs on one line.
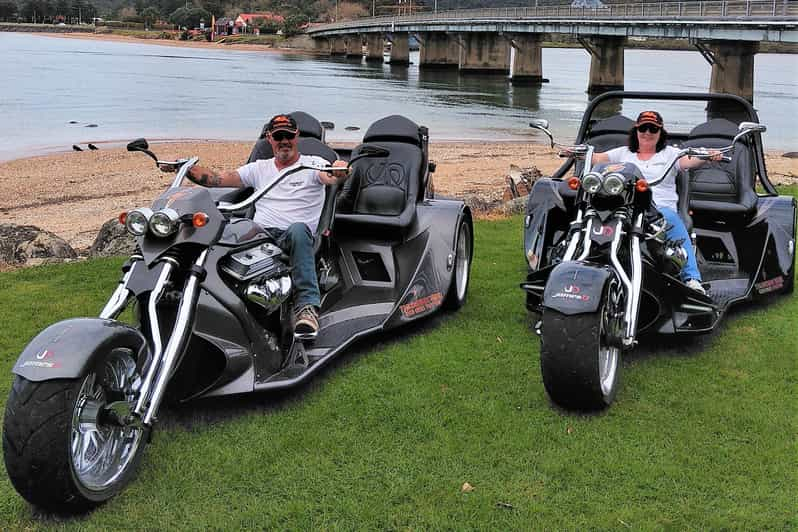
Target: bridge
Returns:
[[509, 40]]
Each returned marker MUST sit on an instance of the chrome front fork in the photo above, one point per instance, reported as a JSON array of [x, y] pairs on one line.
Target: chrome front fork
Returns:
[[118, 300], [632, 283], [163, 360]]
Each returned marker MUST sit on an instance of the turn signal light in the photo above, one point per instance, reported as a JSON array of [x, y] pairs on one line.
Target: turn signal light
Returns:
[[641, 185], [122, 218], [573, 183], [199, 219]]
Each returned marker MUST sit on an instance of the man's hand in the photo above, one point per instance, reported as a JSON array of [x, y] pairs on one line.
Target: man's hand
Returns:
[[332, 178]]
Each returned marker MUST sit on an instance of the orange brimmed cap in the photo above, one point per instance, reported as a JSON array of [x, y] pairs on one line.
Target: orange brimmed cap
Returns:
[[649, 117], [281, 123]]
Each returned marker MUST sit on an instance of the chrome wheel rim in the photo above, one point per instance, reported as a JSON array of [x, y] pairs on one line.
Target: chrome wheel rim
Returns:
[[101, 453], [463, 258]]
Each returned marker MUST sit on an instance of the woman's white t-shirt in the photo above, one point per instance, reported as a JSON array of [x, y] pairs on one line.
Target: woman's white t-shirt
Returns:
[[665, 194]]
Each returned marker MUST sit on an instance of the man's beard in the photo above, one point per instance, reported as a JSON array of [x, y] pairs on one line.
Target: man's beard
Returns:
[[285, 152]]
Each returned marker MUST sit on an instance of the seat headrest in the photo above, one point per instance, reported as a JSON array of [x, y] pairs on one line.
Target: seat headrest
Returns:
[[613, 124], [308, 125], [717, 127], [394, 128]]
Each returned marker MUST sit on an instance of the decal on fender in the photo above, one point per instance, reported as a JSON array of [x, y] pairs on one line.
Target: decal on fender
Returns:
[[420, 305], [771, 285]]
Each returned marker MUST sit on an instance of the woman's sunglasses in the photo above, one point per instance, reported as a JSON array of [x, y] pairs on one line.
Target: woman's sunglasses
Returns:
[[283, 135], [648, 128]]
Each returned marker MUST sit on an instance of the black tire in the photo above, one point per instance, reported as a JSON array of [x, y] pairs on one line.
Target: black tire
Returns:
[[581, 370], [40, 426], [789, 282], [461, 270]]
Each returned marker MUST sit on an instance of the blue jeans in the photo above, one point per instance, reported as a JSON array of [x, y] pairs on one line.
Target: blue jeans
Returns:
[[676, 230], [297, 243]]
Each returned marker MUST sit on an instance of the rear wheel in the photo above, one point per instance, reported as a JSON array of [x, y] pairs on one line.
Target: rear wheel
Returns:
[[61, 450], [458, 289], [579, 354]]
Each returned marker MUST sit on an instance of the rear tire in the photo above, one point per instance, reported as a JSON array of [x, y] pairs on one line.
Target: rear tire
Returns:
[[580, 367], [59, 455], [461, 274]]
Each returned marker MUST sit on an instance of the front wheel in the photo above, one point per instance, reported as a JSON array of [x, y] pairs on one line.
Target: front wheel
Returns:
[[458, 289], [580, 357], [61, 452]]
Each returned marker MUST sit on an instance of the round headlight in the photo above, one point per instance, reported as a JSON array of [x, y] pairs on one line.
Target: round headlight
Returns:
[[591, 183], [136, 221], [613, 184], [163, 223]]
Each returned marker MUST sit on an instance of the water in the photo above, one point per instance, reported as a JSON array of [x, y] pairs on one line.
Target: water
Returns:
[[135, 90]]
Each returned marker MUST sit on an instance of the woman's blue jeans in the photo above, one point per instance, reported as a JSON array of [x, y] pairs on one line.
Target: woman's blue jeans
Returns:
[[676, 230], [297, 243]]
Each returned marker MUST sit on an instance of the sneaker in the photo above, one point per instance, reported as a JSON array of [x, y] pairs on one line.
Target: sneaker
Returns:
[[306, 326], [695, 284]]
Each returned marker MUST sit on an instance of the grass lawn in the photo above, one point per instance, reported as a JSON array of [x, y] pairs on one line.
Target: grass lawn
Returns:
[[702, 436]]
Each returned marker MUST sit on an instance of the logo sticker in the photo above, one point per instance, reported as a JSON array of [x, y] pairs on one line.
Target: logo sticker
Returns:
[[42, 361], [420, 305], [604, 230], [571, 292], [771, 285]]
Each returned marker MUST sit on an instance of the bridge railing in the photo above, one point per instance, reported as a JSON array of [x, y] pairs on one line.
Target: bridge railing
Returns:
[[776, 10]]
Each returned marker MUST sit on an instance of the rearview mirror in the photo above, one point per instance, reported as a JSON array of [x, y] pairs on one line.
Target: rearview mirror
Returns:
[[142, 146], [543, 125], [328, 125], [752, 126], [539, 123], [138, 145]]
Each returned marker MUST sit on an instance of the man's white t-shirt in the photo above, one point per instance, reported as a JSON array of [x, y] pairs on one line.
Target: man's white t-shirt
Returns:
[[297, 198], [665, 194]]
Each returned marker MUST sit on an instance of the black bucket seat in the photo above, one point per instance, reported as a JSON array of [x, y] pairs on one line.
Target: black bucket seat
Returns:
[[383, 191]]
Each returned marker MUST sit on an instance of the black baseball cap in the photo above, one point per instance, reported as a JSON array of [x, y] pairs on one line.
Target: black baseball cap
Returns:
[[282, 123]]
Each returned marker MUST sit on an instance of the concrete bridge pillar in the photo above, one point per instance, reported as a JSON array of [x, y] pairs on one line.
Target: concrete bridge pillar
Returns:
[[321, 45], [484, 53], [439, 50], [400, 49], [354, 45], [527, 59], [375, 45], [733, 68], [606, 63], [337, 46]]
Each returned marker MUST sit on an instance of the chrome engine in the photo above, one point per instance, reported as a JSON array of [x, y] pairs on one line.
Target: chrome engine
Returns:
[[265, 272]]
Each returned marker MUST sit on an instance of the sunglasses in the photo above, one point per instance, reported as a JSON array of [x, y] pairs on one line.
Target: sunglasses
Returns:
[[283, 135], [648, 128]]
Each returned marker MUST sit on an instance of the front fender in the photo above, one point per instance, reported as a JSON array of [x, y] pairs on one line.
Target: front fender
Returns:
[[576, 287], [66, 349]]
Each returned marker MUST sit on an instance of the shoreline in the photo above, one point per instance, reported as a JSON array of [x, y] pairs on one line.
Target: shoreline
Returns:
[[651, 44], [73, 193]]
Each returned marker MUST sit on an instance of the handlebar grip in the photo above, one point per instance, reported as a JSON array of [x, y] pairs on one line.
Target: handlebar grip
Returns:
[[726, 159]]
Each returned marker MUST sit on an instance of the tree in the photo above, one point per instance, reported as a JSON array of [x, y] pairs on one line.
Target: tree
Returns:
[[189, 17], [8, 8], [293, 24], [63, 8], [267, 26], [150, 15]]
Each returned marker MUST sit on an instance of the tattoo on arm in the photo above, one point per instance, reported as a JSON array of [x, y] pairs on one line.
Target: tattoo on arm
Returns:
[[206, 179]]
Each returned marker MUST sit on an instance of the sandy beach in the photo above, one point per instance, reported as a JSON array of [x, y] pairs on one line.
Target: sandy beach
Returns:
[[72, 194]]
